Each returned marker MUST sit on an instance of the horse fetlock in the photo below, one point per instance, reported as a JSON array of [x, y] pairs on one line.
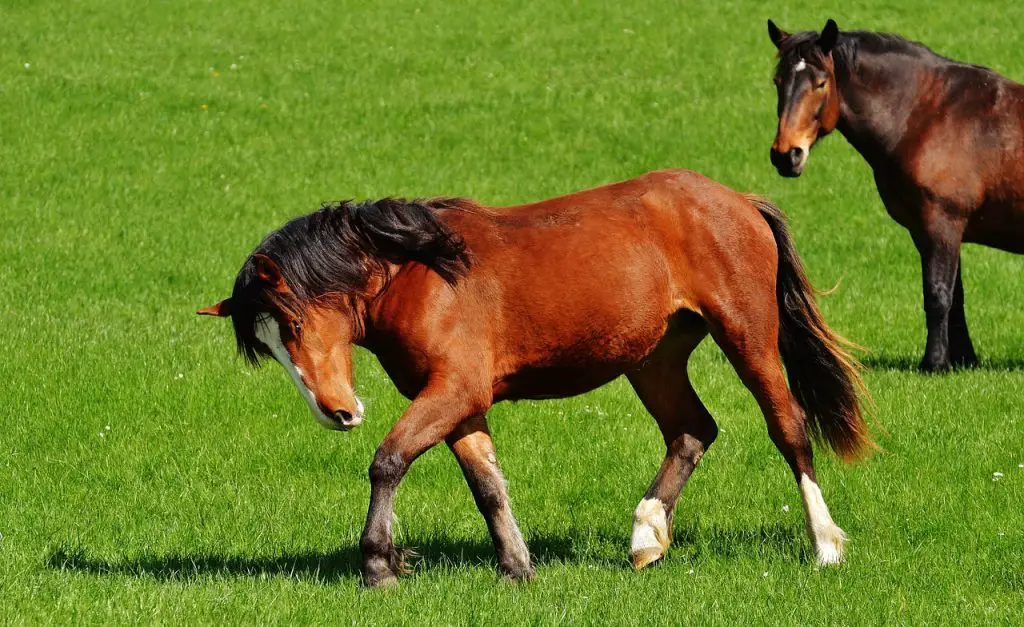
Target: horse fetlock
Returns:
[[651, 535]]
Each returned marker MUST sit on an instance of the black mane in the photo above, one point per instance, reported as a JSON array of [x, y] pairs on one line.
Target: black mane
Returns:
[[847, 49], [336, 250]]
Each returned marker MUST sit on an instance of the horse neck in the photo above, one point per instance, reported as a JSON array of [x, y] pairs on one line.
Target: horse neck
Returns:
[[370, 306], [878, 99]]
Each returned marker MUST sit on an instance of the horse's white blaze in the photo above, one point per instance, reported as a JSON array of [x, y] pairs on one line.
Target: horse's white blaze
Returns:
[[650, 533], [800, 66], [827, 537], [268, 332]]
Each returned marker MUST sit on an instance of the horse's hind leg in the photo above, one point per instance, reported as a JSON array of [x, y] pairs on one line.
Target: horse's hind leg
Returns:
[[961, 349], [471, 443], [749, 339], [664, 388]]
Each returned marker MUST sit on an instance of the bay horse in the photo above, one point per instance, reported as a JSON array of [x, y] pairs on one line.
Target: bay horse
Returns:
[[944, 139], [466, 305]]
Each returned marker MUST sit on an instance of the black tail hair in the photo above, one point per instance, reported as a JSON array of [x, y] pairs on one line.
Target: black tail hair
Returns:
[[824, 377]]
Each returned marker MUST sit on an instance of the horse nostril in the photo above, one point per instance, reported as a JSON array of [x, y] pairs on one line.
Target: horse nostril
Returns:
[[342, 416], [796, 154]]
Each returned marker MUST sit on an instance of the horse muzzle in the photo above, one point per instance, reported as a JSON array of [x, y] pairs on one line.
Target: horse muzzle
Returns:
[[791, 162], [340, 419]]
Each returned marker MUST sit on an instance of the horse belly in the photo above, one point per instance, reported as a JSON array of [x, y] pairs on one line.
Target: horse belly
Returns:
[[578, 367], [999, 225]]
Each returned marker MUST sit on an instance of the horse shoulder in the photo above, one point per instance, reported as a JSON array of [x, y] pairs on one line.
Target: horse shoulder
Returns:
[[420, 323]]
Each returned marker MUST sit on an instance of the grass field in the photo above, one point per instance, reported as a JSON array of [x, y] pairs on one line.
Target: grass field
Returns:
[[146, 475]]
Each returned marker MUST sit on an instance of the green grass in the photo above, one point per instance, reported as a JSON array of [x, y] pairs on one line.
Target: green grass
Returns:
[[145, 148]]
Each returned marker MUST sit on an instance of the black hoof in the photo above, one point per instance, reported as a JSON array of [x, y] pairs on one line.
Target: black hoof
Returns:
[[933, 366], [381, 572], [518, 575], [968, 362], [378, 581]]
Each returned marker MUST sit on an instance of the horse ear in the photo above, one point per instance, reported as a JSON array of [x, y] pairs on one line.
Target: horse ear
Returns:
[[221, 309], [776, 34], [268, 272], [828, 37]]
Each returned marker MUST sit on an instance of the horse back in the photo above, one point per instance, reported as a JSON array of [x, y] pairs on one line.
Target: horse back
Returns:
[[566, 294]]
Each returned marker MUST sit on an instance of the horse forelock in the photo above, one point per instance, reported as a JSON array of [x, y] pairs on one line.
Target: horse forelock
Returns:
[[802, 48]]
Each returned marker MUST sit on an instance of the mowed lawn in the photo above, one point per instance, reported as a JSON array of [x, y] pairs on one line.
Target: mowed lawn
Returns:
[[147, 475]]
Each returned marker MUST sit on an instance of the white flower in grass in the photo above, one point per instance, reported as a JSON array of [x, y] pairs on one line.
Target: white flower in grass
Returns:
[[103, 434], [107, 427], [28, 65], [689, 572], [785, 508], [996, 475], [766, 573]]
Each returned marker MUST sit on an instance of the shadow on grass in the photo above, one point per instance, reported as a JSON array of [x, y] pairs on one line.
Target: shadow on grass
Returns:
[[691, 543], [910, 364], [307, 565]]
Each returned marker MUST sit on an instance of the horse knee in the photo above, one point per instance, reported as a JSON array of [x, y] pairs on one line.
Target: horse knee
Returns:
[[938, 300], [387, 468]]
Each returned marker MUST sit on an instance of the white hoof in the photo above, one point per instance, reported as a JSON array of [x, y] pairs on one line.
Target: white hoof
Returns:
[[650, 533], [829, 543]]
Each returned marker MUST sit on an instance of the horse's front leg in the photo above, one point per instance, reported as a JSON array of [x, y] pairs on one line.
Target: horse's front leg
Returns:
[[442, 405], [472, 445]]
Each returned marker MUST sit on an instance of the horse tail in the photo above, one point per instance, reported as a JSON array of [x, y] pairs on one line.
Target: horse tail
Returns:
[[823, 375]]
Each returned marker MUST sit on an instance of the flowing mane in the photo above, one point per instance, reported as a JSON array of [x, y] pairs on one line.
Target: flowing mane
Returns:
[[848, 46], [334, 251]]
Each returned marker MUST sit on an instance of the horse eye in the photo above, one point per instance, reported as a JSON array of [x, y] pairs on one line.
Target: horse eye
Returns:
[[296, 328], [820, 84]]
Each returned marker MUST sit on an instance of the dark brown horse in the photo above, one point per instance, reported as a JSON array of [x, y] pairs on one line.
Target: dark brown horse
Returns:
[[466, 305], [945, 141]]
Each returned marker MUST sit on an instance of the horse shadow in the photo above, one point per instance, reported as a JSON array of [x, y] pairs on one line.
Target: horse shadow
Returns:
[[903, 363], [324, 566], [691, 543]]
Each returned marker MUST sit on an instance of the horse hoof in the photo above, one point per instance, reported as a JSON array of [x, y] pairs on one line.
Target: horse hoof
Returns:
[[830, 543], [650, 533], [966, 363], [518, 575], [380, 581], [933, 367], [645, 557], [381, 572]]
